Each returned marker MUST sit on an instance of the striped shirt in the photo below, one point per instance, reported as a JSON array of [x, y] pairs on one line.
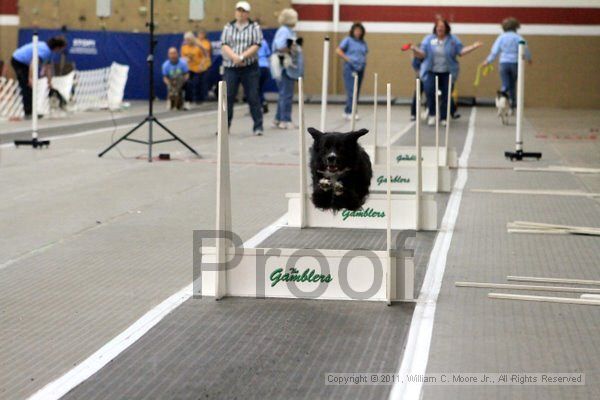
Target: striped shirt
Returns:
[[240, 39]]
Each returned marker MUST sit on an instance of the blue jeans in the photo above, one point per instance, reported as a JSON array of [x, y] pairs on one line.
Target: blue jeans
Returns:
[[413, 105], [265, 74], [508, 75], [429, 84], [286, 97], [248, 76], [349, 85]]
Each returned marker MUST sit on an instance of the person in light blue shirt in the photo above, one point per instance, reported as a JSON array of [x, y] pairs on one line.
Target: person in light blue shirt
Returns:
[[263, 64], [22, 60], [353, 49], [439, 52], [289, 50], [507, 46], [175, 74]]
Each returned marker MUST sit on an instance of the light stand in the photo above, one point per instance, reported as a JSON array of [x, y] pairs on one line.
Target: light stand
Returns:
[[150, 118], [519, 154]]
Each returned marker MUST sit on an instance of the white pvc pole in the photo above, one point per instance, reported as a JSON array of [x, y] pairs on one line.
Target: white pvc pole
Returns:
[[34, 88], [375, 119], [418, 151], [520, 97], [223, 212], [354, 101], [389, 192], [437, 119], [324, 83], [448, 116], [302, 143]]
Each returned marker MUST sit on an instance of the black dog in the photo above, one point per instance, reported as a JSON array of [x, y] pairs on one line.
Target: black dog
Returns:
[[341, 170]]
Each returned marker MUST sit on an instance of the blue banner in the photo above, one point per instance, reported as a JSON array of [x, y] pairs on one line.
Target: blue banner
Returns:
[[99, 49]]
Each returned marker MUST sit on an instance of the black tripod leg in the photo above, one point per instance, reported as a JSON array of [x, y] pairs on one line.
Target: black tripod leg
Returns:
[[123, 137], [177, 138]]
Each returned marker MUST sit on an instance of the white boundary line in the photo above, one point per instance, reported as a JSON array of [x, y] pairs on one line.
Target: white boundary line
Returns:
[[416, 353], [403, 132], [61, 386], [110, 128]]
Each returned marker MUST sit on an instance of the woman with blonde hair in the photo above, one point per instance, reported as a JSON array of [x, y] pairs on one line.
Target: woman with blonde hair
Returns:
[[507, 45], [287, 57]]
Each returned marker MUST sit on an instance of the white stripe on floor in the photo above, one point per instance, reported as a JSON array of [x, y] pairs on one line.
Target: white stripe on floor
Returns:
[[61, 386], [416, 353]]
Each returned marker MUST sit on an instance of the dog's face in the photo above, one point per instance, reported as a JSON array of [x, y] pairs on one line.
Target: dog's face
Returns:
[[335, 152], [501, 93]]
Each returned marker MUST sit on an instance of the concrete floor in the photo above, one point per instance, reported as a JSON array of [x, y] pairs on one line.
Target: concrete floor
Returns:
[[91, 244]]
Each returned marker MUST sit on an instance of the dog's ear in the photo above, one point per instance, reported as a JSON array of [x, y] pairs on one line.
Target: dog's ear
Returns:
[[356, 134], [316, 134]]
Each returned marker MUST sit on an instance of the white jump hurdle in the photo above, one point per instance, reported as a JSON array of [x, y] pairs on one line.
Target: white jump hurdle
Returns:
[[297, 273], [411, 210], [435, 179]]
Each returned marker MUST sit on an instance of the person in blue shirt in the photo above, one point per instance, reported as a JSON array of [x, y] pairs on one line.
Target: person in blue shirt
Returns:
[[439, 52], [287, 47], [353, 49], [507, 45], [21, 63], [263, 64], [175, 71]]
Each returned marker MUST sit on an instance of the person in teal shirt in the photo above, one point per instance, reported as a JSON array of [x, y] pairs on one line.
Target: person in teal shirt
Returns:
[[507, 46]]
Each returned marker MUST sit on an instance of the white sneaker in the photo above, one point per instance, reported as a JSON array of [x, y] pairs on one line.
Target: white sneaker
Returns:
[[258, 132], [424, 114], [347, 117], [286, 125], [443, 122], [187, 105], [431, 121], [275, 124]]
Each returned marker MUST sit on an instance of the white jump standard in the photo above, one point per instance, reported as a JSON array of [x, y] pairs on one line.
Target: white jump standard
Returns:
[[410, 211], [435, 179], [293, 272]]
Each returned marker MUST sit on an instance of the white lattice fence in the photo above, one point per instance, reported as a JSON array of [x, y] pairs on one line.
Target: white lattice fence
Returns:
[[100, 88], [11, 105]]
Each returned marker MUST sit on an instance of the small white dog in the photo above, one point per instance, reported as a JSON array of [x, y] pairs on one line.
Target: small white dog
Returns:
[[503, 106]]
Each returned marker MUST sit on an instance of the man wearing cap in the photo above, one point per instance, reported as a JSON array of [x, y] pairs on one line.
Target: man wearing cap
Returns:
[[240, 41]]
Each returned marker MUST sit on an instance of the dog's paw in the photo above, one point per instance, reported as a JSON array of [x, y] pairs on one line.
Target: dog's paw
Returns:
[[338, 189], [325, 184]]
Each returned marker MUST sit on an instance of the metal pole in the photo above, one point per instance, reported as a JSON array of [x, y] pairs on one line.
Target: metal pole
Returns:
[[418, 161], [520, 98], [324, 83], [34, 88]]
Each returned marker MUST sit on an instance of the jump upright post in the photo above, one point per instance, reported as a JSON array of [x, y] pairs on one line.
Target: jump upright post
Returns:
[[354, 102], [303, 163], [34, 142], [448, 116], [519, 154], [374, 130], [324, 83]]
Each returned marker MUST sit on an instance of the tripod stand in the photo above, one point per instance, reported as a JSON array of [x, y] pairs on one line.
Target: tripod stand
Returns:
[[150, 118]]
